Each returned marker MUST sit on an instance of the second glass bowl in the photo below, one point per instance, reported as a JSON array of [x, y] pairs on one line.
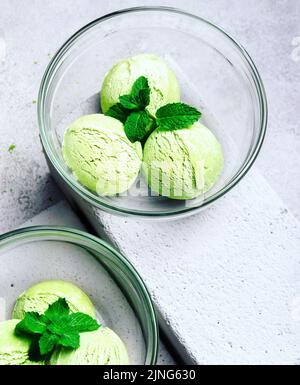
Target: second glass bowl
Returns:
[[122, 302], [215, 74]]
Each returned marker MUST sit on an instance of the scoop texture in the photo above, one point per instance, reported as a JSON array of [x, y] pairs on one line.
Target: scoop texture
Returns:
[[13, 349], [182, 164], [38, 298], [97, 150], [120, 78], [101, 347]]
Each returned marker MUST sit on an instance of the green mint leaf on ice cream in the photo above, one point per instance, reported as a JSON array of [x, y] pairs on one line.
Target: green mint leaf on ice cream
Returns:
[[57, 310], [136, 126], [81, 322], [47, 342], [132, 109], [56, 327], [176, 116], [140, 93], [32, 323], [70, 340], [137, 100], [127, 102], [118, 112]]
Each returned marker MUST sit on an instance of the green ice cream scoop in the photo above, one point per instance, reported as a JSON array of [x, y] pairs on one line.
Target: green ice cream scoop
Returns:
[[14, 349], [182, 164], [38, 298], [97, 150], [120, 78], [101, 347]]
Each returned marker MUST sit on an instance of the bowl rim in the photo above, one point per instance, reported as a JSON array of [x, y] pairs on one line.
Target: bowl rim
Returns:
[[96, 200], [75, 235]]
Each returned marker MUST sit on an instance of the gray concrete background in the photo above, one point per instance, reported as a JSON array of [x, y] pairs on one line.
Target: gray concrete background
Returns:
[[32, 30]]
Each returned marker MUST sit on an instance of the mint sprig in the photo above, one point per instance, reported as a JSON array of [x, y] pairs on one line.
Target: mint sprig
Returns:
[[137, 100], [56, 327], [131, 110], [138, 123]]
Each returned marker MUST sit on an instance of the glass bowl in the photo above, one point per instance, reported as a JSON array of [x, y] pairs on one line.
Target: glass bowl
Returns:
[[215, 74], [35, 254]]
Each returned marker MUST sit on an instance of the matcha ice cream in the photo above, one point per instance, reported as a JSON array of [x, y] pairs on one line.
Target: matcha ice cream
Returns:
[[63, 338], [120, 78], [13, 349], [101, 347], [38, 297], [182, 164], [97, 150]]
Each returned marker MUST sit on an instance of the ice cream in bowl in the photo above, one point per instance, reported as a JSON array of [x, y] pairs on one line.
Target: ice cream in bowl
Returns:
[[68, 298], [151, 112]]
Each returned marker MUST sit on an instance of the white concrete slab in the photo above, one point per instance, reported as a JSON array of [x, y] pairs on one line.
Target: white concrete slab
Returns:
[[226, 281]]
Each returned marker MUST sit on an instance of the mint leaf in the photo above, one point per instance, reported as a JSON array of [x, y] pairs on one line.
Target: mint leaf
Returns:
[[32, 323], [128, 103], [56, 327], [118, 112], [140, 92], [76, 322], [81, 322], [139, 98], [176, 116], [140, 84], [47, 342], [136, 126], [57, 310], [70, 340]]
